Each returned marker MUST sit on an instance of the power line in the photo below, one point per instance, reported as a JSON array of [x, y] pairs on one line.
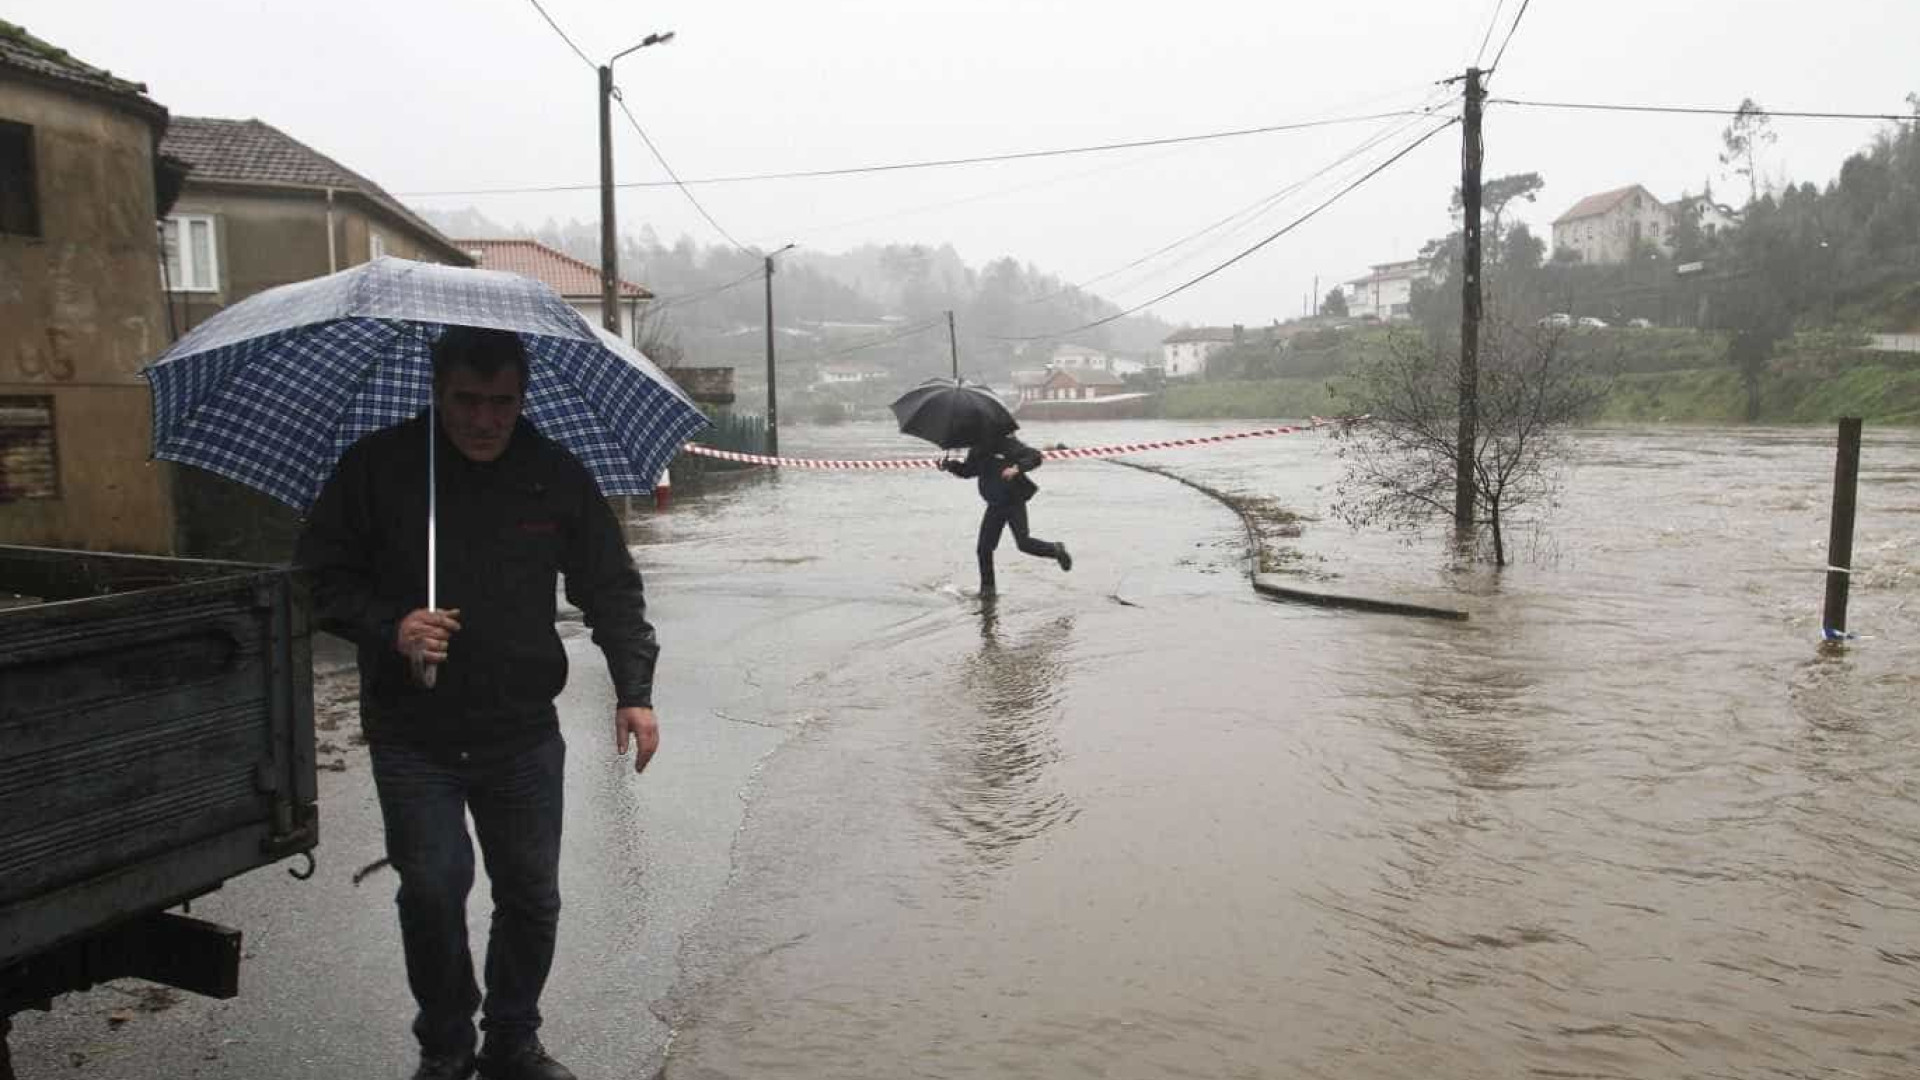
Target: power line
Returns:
[[662, 159], [935, 163], [563, 34], [1270, 238], [665, 303], [1692, 110], [1524, 4], [906, 332], [1488, 36], [1253, 210]]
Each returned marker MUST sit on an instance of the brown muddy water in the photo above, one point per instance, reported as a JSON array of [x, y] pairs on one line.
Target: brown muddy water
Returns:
[[1629, 821]]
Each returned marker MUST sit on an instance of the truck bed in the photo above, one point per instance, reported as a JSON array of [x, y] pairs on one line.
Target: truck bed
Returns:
[[156, 736]]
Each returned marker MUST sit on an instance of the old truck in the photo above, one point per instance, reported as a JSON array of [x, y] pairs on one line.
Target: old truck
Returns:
[[156, 739]]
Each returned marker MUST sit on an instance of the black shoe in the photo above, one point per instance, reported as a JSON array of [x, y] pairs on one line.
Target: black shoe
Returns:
[[1060, 556], [522, 1061], [445, 1066]]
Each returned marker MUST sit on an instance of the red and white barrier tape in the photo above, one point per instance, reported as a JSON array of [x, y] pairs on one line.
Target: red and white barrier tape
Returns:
[[1116, 450]]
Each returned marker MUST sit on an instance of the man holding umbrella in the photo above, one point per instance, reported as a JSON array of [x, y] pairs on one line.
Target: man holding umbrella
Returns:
[[952, 414], [514, 510]]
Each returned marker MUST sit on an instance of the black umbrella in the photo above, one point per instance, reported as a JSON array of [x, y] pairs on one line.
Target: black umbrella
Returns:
[[953, 414]]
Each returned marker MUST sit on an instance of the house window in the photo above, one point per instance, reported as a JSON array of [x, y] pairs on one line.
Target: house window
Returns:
[[376, 245], [187, 247], [19, 186], [28, 466]]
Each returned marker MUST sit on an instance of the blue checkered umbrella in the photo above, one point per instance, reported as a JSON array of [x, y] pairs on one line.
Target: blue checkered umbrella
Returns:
[[273, 390]]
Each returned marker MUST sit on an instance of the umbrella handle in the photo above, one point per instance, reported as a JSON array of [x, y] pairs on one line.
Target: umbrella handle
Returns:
[[424, 673]]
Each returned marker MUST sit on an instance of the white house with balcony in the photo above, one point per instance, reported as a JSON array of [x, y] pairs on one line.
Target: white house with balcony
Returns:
[[1387, 292]]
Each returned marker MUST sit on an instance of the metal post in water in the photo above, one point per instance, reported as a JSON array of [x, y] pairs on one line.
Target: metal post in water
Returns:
[[1846, 481]]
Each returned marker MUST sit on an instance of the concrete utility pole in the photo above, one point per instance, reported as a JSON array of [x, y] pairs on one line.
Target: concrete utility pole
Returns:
[[773, 406], [609, 243], [953, 346], [1471, 154], [609, 251]]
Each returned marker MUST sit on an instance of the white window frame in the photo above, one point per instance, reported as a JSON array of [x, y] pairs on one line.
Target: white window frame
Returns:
[[376, 245], [182, 254]]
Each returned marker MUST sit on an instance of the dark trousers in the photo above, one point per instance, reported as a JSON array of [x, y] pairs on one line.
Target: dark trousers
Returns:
[[1001, 516], [516, 805]]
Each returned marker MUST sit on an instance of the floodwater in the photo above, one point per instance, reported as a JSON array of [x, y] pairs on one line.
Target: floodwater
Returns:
[[1630, 821]]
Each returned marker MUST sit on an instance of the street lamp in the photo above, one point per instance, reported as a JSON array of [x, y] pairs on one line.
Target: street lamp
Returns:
[[609, 250]]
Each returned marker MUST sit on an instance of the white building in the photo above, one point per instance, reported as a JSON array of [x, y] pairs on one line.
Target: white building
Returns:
[[1080, 358], [839, 375], [1711, 217], [1186, 352], [1609, 227], [1386, 293]]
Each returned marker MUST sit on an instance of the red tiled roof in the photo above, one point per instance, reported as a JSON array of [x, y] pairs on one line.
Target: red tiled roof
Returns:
[[561, 272], [1594, 205], [252, 152]]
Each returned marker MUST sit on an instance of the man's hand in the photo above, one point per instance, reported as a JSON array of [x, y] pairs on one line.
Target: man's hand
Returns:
[[1009, 472], [425, 634], [645, 729]]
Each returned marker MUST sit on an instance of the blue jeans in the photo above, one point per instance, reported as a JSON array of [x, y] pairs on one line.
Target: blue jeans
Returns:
[[516, 805]]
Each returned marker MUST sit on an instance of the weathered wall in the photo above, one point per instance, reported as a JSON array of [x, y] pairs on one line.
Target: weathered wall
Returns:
[[80, 312]]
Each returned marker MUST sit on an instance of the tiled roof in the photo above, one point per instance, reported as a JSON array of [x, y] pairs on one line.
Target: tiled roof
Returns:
[[1200, 333], [21, 51], [251, 152], [1594, 205], [561, 272], [1087, 377]]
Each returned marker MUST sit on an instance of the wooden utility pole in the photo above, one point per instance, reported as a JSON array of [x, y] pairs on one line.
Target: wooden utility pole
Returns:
[[609, 251], [953, 346], [1846, 480], [773, 407], [1471, 153]]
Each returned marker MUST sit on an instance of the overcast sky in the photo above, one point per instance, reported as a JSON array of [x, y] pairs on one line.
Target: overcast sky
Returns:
[[431, 95]]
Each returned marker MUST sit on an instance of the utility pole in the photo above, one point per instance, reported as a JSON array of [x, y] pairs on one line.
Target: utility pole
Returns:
[[953, 346], [773, 407], [609, 249], [773, 404], [609, 252], [1315, 310], [1471, 154]]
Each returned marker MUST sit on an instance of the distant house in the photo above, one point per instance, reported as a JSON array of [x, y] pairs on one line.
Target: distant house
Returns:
[[81, 185], [845, 375], [1711, 218], [1386, 293], [261, 209], [1030, 385], [1609, 227], [578, 283], [1185, 352], [1064, 384], [1080, 358]]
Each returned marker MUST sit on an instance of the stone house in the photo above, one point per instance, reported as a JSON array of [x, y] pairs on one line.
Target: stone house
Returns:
[[1609, 227], [82, 181]]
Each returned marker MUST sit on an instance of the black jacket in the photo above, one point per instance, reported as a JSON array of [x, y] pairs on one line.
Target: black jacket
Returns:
[[986, 460], [506, 529]]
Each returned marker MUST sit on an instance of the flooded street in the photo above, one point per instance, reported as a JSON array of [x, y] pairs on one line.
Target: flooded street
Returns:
[[1136, 822]]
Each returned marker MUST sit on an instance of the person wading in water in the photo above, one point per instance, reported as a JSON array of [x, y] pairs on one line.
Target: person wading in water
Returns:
[[1002, 463]]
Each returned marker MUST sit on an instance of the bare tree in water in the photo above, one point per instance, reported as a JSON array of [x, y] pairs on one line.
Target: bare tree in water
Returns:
[[1399, 463]]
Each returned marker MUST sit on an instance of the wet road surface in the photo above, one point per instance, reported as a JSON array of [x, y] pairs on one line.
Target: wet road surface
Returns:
[[1134, 821]]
